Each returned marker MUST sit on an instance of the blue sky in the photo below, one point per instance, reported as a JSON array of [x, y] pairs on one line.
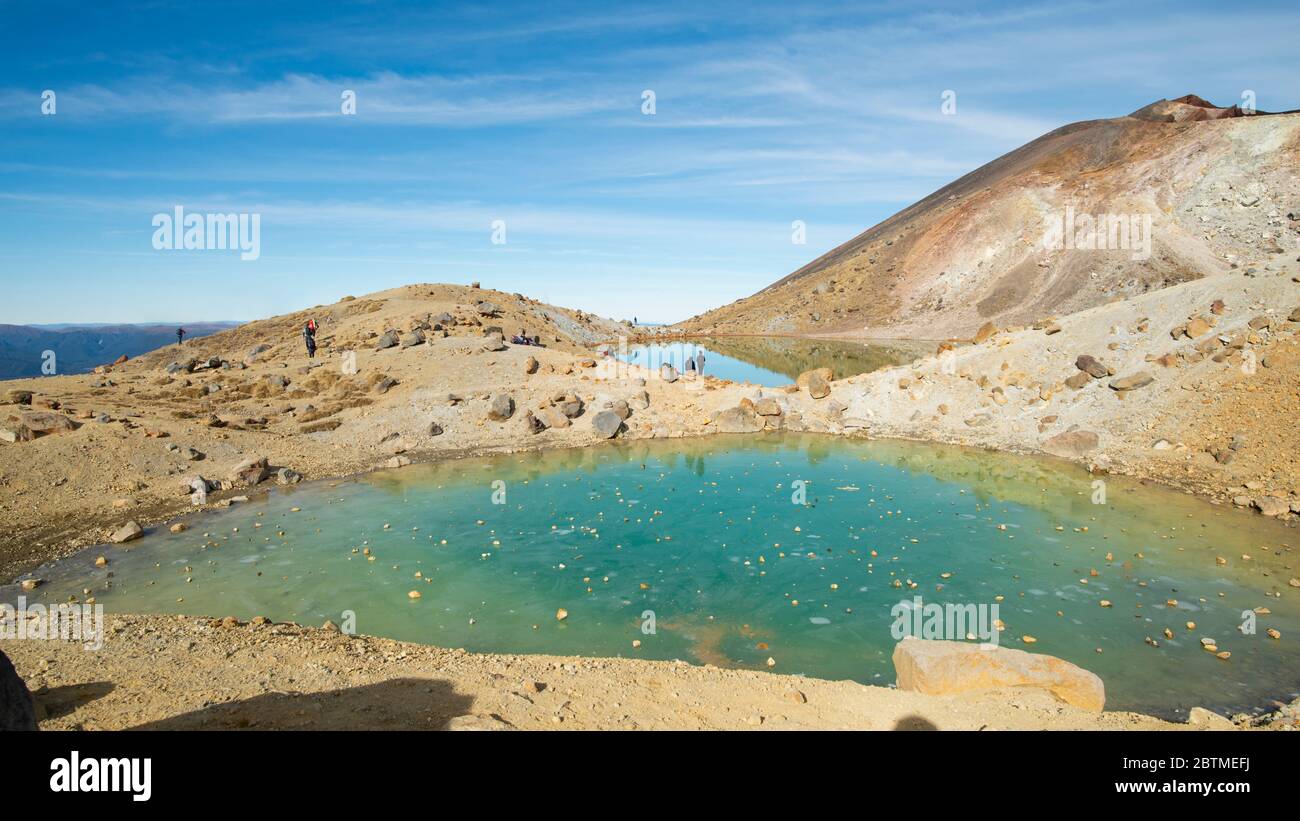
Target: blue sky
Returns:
[[533, 114]]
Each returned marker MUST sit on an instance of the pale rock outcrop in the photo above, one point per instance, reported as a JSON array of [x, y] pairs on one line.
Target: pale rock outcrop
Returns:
[[944, 668]]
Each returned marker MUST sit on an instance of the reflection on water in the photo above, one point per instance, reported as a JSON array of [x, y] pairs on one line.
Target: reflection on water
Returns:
[[705, 536], [772, 361]]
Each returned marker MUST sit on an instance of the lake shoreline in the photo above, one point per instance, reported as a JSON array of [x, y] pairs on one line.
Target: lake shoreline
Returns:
[[229, 674]]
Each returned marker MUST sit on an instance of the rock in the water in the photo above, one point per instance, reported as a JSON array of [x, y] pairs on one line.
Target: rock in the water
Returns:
[[1127, 383], [944, 668], [606, 423], [397, 462], [126, 533], [1072, 443], [740, 419], [503, 407], [1271, 505], [17, 710]]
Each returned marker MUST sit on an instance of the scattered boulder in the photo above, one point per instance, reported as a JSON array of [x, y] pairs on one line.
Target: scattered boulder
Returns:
[[801, 381], [415, 337], [767, 407], [1079, 380], [570, 405], [740, 419], [435, 429], [397, 462], [287, 476], [44, 423], [532, 424], [250, 471], [621, 408], [667, 373], [503, 407], [487, 309], [13, 432], [1133, 381], [553, 417], [530, 365], [986, 331], [1072, 444], [128, 532], [17, 397], [494, 342], [945, 668], [818, 387], [388, 340], [607, 424], [1090, 365], [1198, 326]]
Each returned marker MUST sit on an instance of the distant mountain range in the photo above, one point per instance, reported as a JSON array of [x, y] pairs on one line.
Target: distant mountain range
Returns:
[[79, 348]]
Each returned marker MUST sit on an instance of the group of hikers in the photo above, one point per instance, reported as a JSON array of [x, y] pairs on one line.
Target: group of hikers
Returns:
[[522, 338], [695, 364]]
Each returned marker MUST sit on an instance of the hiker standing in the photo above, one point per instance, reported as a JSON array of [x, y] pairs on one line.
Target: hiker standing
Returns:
[[180, 336], [699, 361], [309, 336]]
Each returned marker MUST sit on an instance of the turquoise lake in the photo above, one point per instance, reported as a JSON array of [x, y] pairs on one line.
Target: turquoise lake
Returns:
[[705, 534]]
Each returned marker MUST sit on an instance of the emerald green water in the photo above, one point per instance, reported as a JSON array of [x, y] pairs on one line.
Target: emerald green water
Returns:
[[704, 533]]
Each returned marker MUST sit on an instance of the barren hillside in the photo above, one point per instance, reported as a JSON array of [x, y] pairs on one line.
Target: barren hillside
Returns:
[[1222, 190]]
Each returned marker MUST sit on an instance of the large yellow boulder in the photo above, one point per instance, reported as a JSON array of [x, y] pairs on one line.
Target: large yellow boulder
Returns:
[[945, 668]]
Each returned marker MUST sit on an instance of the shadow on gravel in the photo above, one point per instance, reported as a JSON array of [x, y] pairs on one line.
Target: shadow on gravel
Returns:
[[914, 723], [397, 704]]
